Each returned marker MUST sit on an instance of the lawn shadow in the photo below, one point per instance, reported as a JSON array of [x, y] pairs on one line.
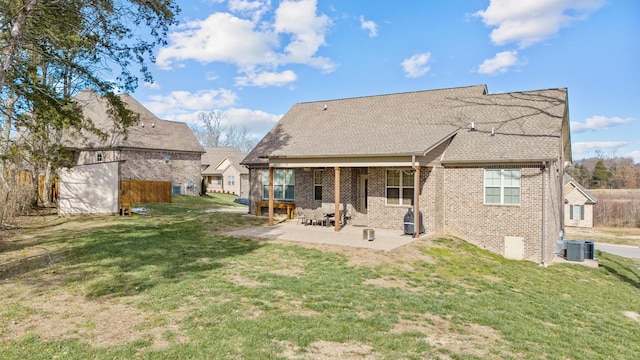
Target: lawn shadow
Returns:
[[127, 258], [623, 270]]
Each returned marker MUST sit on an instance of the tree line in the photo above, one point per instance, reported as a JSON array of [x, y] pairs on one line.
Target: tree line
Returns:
[[606, 171]]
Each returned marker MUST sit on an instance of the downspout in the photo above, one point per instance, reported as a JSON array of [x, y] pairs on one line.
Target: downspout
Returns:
[[543, 225]]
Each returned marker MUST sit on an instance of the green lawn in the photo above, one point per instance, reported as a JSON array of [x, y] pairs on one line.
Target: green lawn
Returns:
[[167, 285]]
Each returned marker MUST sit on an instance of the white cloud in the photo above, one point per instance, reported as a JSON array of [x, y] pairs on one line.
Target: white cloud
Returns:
[[257, 122], [499, 64], [598, 122], [369, 26], [253, 9], [307, 31], [582, 148], [220, 37], [265, 79], [255, 45], [152, 86], [179, 103], [527, 22], [635, 155], [417, 65]]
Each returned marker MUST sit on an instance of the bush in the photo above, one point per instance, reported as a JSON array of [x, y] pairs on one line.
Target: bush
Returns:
[[15, 197]]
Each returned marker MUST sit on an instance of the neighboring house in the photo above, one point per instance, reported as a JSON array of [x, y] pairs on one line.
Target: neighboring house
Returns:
[[578, 204], [154, 149], [222, 172], [487, 168]]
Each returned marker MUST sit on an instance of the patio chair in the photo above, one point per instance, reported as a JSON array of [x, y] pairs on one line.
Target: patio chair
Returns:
[[308, 216], [332, 219], [300, 216], [319, 217]]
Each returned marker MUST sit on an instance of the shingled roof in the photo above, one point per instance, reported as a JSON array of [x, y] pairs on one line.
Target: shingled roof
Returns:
[[526, 126], [151, 133], [215, 155]]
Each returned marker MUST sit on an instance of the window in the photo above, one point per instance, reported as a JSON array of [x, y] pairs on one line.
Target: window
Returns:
[[502, 186], [399, 188], [167, 159], [576, 212], [317, 184], [231, 180], [284, 182], [99, 157]]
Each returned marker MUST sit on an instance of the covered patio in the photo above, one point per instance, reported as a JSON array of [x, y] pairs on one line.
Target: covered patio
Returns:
[[349, 235]]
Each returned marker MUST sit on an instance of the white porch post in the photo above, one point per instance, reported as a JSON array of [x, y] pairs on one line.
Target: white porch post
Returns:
[[416, 202], [337, 199]]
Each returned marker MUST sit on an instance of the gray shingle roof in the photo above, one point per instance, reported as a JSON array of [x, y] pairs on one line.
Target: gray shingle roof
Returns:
[[150, 133], [567, 179], [527, 125], [215, 155]]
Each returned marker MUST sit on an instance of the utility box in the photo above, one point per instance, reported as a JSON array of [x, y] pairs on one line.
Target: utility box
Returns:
[[575, 250], [589, 250]]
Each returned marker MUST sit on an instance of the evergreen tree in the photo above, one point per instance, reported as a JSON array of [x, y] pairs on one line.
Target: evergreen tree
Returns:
[[600, 178]]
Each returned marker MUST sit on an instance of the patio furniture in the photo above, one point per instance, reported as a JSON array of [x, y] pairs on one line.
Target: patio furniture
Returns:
[[308, 216], [300, 216], [320, 216], [288, 206]]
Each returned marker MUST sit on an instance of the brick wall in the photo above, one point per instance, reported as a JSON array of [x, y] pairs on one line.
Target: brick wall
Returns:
[[150, 165], [467, 216], [451, 200]]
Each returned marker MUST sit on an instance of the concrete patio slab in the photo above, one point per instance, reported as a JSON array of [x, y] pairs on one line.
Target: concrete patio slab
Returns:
[[349, 235]]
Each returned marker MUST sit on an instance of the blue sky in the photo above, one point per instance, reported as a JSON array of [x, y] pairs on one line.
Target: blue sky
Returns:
[[255, 59]]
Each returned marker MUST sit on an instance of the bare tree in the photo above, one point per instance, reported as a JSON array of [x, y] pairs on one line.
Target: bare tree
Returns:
[[209, 128], [211, 132]]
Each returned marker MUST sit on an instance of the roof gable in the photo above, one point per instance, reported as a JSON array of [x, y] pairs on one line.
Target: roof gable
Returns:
[[150, 133], [571, 184], [218, 159]]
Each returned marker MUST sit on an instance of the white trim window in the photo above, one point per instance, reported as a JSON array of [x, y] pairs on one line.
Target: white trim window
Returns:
[[317, 184], [99, 157], [284, 183], [502, 186], [576, 212], [231, 180], [399, 187]]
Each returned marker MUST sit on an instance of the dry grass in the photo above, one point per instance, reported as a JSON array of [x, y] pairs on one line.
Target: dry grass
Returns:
[[617, 208]]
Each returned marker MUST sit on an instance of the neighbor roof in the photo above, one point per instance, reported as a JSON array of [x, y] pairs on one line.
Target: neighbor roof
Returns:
[[214, 156], [151, 133], [527, 125], [568, 179]]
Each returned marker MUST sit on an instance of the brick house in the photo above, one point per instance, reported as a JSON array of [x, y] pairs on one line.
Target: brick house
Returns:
[[154, 149], [485, 167], [578, 204], [222, 172]]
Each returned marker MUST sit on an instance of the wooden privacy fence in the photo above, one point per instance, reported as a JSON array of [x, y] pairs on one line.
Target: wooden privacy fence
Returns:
[[145, 192], [23, 178]]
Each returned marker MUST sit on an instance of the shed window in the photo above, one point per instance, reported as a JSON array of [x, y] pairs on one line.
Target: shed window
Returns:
[[284, 182], [399, 187], [576, 212], [502, 186]]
